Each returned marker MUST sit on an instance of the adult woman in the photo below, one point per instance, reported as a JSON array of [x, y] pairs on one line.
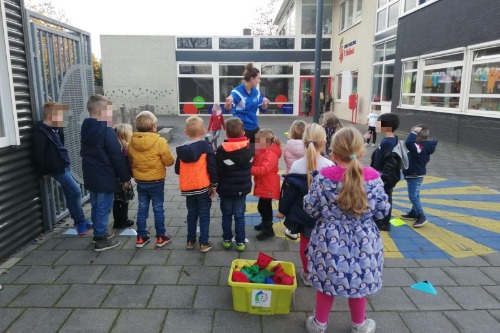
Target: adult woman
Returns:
[[245, 100]]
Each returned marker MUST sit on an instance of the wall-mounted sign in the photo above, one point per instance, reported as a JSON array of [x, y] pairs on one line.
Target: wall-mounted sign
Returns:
[[346, 49]]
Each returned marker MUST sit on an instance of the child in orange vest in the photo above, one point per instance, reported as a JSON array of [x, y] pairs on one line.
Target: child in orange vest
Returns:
[[197, 170], [266, 178]]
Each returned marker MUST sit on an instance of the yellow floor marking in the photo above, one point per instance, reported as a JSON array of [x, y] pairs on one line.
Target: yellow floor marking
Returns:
[[391, 250], [427, 180], [490, 206], [445, 239], [463, 190]]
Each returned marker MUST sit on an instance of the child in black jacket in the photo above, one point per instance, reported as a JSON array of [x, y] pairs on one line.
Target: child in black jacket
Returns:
[[234, 164]]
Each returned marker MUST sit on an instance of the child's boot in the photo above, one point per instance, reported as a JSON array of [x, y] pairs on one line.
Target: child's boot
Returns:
[[267, 230], [120, 215]]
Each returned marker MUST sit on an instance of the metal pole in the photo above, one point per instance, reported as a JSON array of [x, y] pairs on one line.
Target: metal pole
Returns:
[[317, 58]]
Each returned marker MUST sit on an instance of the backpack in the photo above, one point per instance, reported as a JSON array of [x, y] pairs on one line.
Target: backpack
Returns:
[[393, 163]]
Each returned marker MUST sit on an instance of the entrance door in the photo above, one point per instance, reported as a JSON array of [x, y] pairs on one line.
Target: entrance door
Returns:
[[306, 87]]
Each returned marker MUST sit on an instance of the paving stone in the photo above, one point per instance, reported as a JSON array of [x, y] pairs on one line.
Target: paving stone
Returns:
[[84, 296], [341, 304], [434, 275], [493, 259], [435, 262], [473, 321], [120, 275], [396, 277], [468, 276], [9, 292], [474, 261], [186, 257], [494, 290], [213, 298], [150, 257], [41, 258], [45, 320], [274, 244], [12, 274], [230, 321], [388, 322], [192, 321], [291, 323], [78, 257], [172, 297], [496, 314], [304, 299], [473, 298], [115, 257], [49, 244], [147, 320], [403, 263], [128, 297], [9, 263], [81, 274], [39, 296], [160, 275], [199, 275], [223, 276], [220, 258], [41, 274], [250, 255], [391, 299], [492, 272], [101, 321], [74, 243], [425, 301], [8, 316], [425, 322]]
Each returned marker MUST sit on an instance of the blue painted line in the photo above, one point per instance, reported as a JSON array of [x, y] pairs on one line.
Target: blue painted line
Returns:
[[489, 214], [494, 198], [413, 245], [437, 185]]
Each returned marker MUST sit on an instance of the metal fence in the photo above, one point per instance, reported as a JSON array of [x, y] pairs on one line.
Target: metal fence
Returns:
[[61, 63]]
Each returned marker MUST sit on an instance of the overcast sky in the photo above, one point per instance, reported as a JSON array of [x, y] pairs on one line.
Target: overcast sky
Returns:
[[156, 17]]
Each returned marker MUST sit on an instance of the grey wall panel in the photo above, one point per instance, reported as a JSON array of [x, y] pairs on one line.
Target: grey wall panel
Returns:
[[20, 203], [250, 56]]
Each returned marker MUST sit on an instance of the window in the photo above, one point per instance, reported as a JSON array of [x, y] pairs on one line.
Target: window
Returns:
[[409, 83], [309, 17], [230, 76], [413, 4], [387, 14], [354, 82], [338, 94], [235, 43], [310, 44], [484, 93], [383, 72], [277, 43], [277, 84], [195, 69], [350, 13], [196, 88], [9, 134], [276, 69], [194, 43], [307, 69]]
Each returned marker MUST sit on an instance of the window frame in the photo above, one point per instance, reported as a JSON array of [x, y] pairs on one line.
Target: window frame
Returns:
[[382, 63], [418, 7], [355, 20], [417, 83], [386, 7], [7, 97]]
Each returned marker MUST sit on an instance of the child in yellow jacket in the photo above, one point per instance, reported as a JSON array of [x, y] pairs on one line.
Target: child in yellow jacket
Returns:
[[149, 154]]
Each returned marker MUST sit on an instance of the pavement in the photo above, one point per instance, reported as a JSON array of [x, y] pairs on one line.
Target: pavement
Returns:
[[59, 284]]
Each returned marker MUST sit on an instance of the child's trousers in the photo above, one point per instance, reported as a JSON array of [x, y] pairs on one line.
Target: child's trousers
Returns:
[[154, 192], [101, 203], [198, 206], [324, 304]]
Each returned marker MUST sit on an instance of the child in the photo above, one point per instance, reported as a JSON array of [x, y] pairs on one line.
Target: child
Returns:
[[294, 148], [216, 123], [234, 164], [419, 153], [197, 170], [296, 185], [52, 160], [149, 154], [371, 121], [383, 162], [331, 124], [345, 254], [266, 179], [102, 164], [120, 203]]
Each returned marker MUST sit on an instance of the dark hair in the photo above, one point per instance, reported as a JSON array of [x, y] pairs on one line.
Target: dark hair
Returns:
[[389, 120], [250, 72], [234, 128]]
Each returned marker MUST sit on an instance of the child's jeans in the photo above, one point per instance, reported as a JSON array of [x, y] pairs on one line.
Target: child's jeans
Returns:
[[230, 206], [101, 202], [153, 192], [72, 194], [324, 304], [198, 206], [414, 194], [215, 136]]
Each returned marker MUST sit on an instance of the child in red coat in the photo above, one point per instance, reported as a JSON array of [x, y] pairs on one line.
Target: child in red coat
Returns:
[[266, 178], [216, 123]]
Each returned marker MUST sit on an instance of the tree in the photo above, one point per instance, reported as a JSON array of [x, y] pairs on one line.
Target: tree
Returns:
[[97, 65], [47, 8], [263, 19]]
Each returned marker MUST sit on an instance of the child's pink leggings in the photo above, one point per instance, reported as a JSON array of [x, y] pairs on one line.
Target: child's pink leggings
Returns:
[[304, 241], [324, 304]]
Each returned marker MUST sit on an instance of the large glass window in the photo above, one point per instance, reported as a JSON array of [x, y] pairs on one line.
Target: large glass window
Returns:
[[194, 43], [276, 69], [235, 43], [230, 76], [196, 88], [195, 69], [383, 72], [412, 4], [309, 17], [277, 43], [307, 69], [387, 14], [354, 82], [350, 13], [338, 91], [484, 91], [409, 83], [279, 90], [191, 87], [310, 43]]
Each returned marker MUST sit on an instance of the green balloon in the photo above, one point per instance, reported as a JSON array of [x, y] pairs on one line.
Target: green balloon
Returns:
[[199, 102]]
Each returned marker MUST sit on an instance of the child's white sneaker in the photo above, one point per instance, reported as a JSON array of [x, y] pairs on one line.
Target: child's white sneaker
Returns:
[[313, 327], [369, 326]]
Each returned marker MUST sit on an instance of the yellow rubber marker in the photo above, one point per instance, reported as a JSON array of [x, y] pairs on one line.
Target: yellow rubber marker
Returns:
[[397, 222]]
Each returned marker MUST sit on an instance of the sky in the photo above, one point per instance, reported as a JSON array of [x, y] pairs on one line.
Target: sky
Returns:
[[156, 17]]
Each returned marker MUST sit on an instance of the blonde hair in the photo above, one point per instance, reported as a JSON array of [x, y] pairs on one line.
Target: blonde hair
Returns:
[[124, 134], [95, 101], [296, 131], [347, 145], [145, 121], [330, 120], [314, 141], [194, 126], [268, 134]]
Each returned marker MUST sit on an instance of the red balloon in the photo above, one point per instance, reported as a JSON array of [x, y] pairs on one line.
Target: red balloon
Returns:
[[189, 109], [280, 99]]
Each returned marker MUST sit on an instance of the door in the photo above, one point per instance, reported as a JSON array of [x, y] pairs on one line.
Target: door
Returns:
[[306, 87]]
